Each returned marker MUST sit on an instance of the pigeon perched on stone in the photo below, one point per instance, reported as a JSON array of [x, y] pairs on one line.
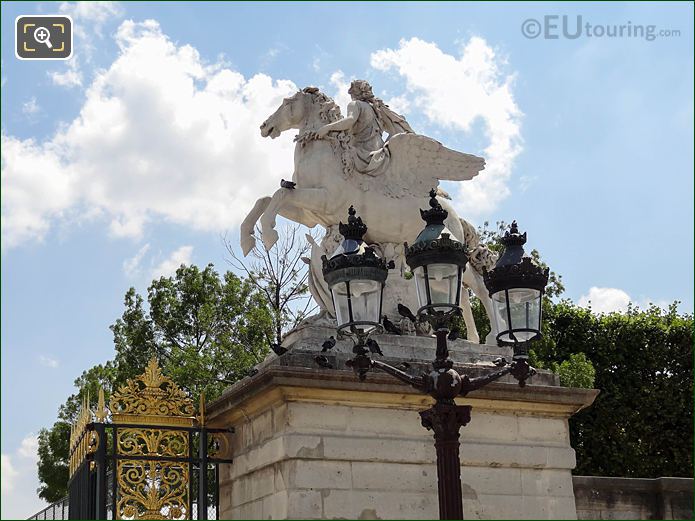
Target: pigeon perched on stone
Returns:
[[390, 327], [252, 372], [328, 344], [404, 311], [500, 362], [278, 349], [287, 184], [374, 347], [454, 334], [323, 361]]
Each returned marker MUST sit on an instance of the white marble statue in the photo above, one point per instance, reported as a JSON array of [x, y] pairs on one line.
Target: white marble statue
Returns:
[[340, 162]]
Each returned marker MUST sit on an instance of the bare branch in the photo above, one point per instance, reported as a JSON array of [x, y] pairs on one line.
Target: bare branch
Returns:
[[281, 276]]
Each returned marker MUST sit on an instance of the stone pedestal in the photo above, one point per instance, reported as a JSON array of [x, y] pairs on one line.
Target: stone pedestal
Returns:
[[315, 443]]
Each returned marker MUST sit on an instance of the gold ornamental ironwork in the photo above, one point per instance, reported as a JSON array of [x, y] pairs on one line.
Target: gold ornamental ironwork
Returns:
[[150, 487], [83, 440], [152, 398], [152, 490]]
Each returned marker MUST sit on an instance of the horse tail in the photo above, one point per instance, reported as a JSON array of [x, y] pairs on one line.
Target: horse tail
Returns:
[[470, 235], [479, 256]]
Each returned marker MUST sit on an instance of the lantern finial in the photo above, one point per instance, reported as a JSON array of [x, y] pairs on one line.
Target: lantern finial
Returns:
[[436, 214], [512, 237], [355, 228]]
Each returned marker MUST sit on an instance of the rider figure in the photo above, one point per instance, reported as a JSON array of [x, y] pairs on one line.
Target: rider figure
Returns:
[[367, 119]]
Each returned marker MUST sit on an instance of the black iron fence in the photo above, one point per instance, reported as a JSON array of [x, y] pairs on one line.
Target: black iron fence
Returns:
[[57, 510]]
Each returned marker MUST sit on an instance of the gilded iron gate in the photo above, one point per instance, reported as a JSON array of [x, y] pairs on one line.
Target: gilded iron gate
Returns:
[[148, 456]]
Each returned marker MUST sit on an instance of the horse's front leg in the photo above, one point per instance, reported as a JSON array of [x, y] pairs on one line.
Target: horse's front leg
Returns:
[[475, 281], [302, 205], [471, 329], [246, 236]]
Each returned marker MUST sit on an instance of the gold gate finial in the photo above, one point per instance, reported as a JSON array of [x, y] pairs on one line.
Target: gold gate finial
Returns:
[[101, 412], [201, 416], [152, 398]]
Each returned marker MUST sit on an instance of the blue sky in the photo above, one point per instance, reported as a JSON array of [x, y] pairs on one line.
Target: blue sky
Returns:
[[142, 150]]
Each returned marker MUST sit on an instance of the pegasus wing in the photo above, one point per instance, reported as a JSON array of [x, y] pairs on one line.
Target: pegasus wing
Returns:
[[418, 163]]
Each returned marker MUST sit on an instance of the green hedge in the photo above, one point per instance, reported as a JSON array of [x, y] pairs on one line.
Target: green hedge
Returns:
[[641, 424]]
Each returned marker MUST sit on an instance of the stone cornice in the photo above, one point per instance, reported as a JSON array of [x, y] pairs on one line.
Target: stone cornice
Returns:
[[276, 384]]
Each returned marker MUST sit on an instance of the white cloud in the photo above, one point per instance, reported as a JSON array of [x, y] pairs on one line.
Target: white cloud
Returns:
[[47, 361], [30, 107], [169, 266], [400, 104], [608, 300], [8, 474], [341, 85], [29, 447], [88, 20], [19, 481], [36, 187], [456, 92], [605, 300], [161, 135], [90, 16], [131, 266], [70, 77]]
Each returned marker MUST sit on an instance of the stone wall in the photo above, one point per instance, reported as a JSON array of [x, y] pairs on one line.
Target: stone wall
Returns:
[[316, 443], [633, 498]]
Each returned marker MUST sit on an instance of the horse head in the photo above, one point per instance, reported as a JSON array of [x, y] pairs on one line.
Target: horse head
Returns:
[[307, 108]]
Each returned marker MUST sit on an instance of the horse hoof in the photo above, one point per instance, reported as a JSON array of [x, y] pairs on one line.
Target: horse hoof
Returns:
[[270, 237], [248, 243], [473, 338]]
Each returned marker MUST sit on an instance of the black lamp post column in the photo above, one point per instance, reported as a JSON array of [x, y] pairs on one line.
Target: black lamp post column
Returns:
[[446, 420]]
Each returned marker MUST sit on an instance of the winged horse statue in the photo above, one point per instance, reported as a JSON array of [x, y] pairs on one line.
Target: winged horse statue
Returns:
[[386, 185]]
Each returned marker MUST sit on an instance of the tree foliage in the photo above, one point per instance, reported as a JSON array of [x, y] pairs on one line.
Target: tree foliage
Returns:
[[53, 461], [577, 371], [641, 423], [206, 331]]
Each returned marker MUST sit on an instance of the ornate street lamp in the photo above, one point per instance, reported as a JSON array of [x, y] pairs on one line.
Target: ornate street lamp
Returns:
[[516, 287], [437, 261], [356, 276]]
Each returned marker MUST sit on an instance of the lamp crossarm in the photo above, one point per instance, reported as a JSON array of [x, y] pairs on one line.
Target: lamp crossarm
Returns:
[[482, 381], [415, 381]]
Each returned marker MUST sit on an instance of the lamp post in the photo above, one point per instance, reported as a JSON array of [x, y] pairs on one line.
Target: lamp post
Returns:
[[516, 287], [356, 277]]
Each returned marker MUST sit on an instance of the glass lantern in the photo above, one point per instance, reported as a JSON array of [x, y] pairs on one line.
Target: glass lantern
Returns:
[[437, 262], [356, 277], [516, 287]]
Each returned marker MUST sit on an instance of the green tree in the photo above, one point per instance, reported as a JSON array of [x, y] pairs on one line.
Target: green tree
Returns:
[[53, 461], [206, 330], [641, 424], [577, 371]]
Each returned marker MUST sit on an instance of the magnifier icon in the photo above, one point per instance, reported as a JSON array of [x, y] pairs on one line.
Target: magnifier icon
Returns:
[[43, 35]]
